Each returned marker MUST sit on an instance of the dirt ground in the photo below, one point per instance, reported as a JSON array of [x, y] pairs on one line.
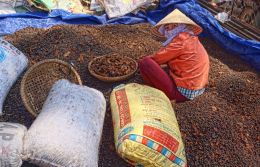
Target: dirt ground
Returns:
[[219, 128]]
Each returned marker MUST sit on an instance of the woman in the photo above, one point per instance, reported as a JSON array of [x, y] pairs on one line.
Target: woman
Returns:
[[185, 56]]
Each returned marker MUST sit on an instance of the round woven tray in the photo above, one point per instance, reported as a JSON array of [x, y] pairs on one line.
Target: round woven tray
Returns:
[[39, 79], [111, 79]]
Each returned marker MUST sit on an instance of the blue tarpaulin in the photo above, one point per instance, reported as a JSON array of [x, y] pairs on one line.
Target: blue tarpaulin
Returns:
[[248, 50]]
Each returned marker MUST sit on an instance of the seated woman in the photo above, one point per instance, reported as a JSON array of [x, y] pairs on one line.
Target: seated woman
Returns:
[[185, 56]]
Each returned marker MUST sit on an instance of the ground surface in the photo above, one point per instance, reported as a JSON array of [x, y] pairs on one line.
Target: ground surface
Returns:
[[219, 128]]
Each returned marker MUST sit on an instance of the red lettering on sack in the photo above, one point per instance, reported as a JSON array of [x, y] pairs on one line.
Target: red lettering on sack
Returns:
[[123, 106], [161, 137]]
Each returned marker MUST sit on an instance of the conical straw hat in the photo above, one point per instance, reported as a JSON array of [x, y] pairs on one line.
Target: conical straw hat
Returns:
[[177, 16]]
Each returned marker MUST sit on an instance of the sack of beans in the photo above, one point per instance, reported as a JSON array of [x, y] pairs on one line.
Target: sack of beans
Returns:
[[146, 130], [11, 144], [68, 130], [12, 64]]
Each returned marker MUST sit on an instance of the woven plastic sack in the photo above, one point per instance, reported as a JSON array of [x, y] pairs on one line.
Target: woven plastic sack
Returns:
[[12, 64], [145, 127], [6, 7], [117, 8], [74, 6], [11, 144], [68, 130]]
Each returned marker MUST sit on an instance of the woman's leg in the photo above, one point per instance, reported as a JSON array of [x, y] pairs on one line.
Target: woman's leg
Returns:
[[153, 75]]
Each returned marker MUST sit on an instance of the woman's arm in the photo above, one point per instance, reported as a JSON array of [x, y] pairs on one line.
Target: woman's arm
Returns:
[[168, 53]]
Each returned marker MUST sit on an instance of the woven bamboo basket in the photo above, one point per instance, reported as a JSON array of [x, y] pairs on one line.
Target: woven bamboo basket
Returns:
[[39, 79], [111, 79]]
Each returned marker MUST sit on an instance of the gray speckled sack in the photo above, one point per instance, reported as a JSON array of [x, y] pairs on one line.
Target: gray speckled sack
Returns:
[[11, 144], [68, 130], [12, 64]]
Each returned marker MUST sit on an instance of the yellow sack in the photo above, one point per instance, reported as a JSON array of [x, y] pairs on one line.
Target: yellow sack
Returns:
[[145, 127]]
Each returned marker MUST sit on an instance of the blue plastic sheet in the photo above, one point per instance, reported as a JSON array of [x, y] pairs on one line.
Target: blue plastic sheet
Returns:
[[249, 50]]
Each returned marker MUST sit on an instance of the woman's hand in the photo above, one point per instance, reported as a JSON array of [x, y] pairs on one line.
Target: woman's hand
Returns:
[[151, 56], [164, 65]]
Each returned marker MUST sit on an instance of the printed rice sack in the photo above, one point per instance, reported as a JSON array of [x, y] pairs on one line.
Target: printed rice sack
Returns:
[[145, 127], [11, 144], [12, 64], [67, 132]]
